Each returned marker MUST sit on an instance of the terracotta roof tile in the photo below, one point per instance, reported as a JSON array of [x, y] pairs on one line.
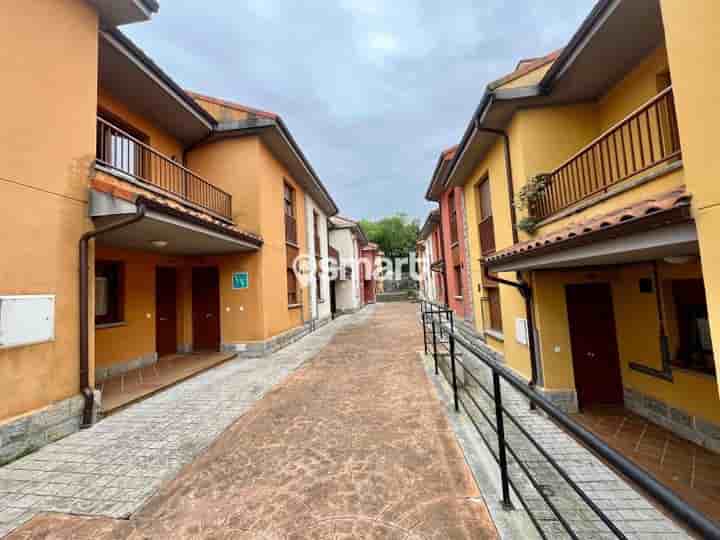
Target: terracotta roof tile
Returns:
[[662, 202], [232, 105], [129, 192], [526, 66], [449, 153]]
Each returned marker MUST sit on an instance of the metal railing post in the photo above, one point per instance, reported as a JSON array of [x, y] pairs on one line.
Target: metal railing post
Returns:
[[502, 454], [434, 338], [424, 325], [452, 362]]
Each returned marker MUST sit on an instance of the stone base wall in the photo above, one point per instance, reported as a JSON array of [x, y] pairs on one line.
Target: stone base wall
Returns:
[[565, 400], [692, 428], [24, 435], [258, 349], [103, 373]]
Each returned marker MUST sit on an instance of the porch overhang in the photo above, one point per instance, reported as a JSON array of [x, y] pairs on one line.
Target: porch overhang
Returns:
[[164, 230], [649, 230]]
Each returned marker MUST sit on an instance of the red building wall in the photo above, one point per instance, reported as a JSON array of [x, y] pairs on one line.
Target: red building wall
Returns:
[[454, 254]]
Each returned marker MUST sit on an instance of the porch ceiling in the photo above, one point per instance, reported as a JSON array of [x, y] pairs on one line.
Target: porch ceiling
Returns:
[[646, 230], [183, 236]]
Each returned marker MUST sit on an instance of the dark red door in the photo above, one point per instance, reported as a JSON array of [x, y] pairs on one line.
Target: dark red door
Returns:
[[596, 361], [206, 309], [166, 311]]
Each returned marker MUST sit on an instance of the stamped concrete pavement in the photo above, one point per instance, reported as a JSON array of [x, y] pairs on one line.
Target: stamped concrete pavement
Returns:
[[354, 444]]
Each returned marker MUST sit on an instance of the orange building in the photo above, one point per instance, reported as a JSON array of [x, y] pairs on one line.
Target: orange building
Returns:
[[187, 213]]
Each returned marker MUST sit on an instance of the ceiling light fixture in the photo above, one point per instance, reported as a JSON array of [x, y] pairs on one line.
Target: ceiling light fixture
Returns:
[[159, 243]]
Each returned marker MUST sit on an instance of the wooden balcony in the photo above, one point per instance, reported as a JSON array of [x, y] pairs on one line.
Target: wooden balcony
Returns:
[[124, 154], [645, 139]]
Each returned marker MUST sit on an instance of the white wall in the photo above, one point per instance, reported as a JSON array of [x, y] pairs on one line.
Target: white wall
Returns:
[[347, 292], [429, 276], [321, 309]]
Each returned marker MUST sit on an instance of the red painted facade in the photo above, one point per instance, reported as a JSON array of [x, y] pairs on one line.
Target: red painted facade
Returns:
[[454, 252], [367, 273]]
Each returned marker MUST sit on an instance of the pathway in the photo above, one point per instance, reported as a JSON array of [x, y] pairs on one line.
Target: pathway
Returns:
[[354, 444]]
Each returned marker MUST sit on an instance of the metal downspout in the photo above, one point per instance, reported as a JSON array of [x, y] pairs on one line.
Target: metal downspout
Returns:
[[85, 387], [509, 173], [526, 291]]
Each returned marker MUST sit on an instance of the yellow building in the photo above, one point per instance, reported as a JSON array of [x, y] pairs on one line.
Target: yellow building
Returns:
[[591, 200], [141, 221]]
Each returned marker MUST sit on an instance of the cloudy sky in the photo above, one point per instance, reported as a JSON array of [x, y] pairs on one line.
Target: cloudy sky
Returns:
[[372, 90]]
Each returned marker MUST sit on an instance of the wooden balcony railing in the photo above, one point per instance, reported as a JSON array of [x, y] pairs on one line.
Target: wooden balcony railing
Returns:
[[123, 153], [645, 139]]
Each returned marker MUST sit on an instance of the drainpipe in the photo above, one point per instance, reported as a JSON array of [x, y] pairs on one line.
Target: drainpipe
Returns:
[[509, 173], [85, 388], [526, 291]]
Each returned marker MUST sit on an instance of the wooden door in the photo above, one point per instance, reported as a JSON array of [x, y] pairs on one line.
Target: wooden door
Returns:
[[596, 361], [166, 311], [206, 309]]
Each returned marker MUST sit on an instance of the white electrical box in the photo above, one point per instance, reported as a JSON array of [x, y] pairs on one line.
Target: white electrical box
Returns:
[[25, 320], [521, 331]]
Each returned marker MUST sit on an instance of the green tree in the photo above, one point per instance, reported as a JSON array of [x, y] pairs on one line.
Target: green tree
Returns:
[[396, 235]]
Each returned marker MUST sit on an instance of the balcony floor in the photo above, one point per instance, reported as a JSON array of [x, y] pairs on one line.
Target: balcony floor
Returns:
[[122, 390], [688, 469]]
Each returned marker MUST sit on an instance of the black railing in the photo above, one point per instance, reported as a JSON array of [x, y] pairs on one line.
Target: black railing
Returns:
[[441, 340], [123, 153]]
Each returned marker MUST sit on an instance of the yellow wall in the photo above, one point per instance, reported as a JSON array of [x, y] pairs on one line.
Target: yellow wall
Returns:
[[528, 79], [691, 30], [47, 143], [691, 392], [541, 140]]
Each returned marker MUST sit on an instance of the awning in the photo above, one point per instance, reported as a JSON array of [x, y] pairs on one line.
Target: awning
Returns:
[[165, 229], [647, 230]]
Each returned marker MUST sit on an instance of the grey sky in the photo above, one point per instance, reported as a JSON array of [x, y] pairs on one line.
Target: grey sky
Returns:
[[372, 90]]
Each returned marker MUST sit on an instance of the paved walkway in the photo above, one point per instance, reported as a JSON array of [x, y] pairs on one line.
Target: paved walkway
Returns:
[[634, 515], [352, 445]]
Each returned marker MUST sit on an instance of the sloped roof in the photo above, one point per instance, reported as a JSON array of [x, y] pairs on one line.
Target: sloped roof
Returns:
[[658, 207]]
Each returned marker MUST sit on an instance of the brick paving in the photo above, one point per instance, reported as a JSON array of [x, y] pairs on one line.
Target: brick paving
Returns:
[[353, 444]]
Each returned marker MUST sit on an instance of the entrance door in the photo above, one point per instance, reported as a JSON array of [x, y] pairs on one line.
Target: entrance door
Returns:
[[596, 360], [206, 309], [166, 311], [333, 298]]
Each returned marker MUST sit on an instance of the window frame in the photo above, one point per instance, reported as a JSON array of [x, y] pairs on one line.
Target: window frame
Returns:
[[115, 293]]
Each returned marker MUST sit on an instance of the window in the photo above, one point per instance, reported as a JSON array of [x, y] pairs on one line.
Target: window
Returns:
[[121, 146], [458, 280], [694, 349], [109, 292], [486, 228], [494, 309], [453, 218], [292, 288], [290, 218]]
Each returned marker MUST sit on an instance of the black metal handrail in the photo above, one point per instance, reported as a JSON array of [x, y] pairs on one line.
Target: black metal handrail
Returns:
[[121, 152], [439, 334]]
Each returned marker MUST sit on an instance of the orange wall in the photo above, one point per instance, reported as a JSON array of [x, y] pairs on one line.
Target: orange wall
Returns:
[[137, 337], [47, 143], [245, 168]]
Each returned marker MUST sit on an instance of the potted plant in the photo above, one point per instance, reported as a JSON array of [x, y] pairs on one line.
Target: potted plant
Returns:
[[527, 198]]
